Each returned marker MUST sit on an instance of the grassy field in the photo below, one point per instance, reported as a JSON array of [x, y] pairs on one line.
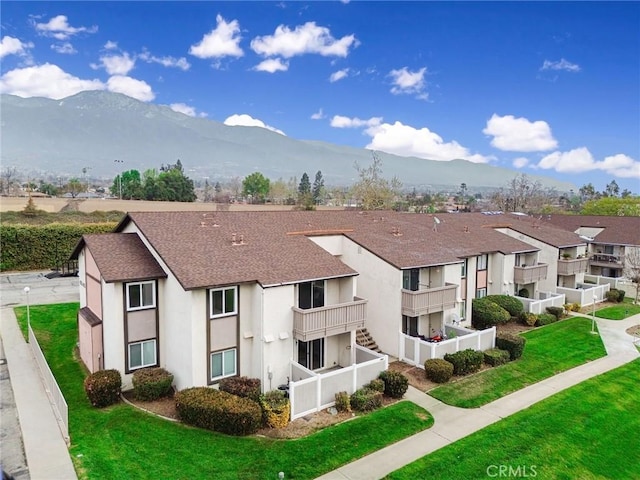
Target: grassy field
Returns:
[[618, 312], [549, 350], [121, 442], [586, 432]]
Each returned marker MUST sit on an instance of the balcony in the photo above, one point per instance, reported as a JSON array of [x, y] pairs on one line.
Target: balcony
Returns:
[[431, 300], [530, 273], [606, 260], [572, 266], [312, 323]]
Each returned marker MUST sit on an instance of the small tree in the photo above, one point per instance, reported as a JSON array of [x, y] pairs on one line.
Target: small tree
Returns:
[[305, 197], [74, 187], [256, 185], [632, 267], [372, 190], [318, 188]]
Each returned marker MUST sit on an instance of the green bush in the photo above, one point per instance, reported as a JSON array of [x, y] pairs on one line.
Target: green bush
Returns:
[[496, 357], [514, 344], [376, 384], [219, 411], [242, 386], [485, 313], [465, 361], [151, 383], [528, 318], [276, 409], [557, 312], [621, 295], [103, 387], [523, 292], [509, 303], [545, 319], [572, 307], [395, 383], [611, 295], [438, 370], [343, 403], [366, 400]]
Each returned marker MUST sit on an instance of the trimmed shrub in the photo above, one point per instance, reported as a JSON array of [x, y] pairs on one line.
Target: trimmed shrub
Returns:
[[343, 402], [366, 400], [242, 386], [465, 361], [514, 344], [545, 319], [217, 410], [376, 384], [103, 387], [509, 303], [485, 313], [151, 383], [276, 409], [395, 384], [496, 357], [438, 370], [557, 312], [621, 295], [611, 295], [572, 307], [523, 292], [528, 318]]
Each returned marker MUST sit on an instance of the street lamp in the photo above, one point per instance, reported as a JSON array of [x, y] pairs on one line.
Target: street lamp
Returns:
[[593, 316], [26, 291], [119, 179]]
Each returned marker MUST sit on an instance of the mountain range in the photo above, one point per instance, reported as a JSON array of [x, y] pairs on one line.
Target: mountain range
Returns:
[[93, 129]]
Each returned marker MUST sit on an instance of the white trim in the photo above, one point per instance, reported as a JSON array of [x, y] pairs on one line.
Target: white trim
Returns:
[[235, 364], [155, 354], [141, 307], [224, 313]]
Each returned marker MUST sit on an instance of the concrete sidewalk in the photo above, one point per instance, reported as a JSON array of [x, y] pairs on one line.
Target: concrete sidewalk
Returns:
[[45, 450], [453, 423]]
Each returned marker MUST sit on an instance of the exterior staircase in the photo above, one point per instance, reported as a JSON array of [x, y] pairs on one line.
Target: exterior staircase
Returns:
[[364, 339]]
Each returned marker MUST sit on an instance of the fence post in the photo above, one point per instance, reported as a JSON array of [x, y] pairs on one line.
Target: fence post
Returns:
[[354, 379], [416, 351], [318, 392], [479, 337]]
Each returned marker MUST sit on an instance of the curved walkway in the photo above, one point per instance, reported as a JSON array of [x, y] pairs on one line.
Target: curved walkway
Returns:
[[454, 423]]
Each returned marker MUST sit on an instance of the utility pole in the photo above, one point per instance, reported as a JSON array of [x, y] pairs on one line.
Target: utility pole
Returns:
[[119, 179]]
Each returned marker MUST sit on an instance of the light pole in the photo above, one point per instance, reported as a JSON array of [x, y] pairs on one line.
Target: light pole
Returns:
[[593, 316], [26, 291], [119, 179]]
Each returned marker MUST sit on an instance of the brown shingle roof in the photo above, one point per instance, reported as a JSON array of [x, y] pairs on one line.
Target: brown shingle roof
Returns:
[[617, 230], [121, 257]]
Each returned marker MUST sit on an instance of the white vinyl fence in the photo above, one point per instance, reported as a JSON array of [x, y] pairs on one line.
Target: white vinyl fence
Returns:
[[585, 294], [542, 301], [58, 403], [311, 392], [618, 282], [415, 351]]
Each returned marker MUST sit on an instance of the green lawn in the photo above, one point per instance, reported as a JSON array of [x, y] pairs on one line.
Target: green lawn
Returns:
[[121, 442], [588, 431], [549, 350], [618, 312]]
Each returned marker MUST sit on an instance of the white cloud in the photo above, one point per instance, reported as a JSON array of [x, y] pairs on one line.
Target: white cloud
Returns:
[[409, 83], [222, 41], [65, 48], [272, 65], [340, 121], [186, 109], [248, 121], [520, 162], [110, 45], [46, 80], [581, 160], [58, 27], [562, 64], [132, 87], [319, 115], [168, 61], [307, 38], [116, 64], [13, 46], [405, 140], [519, 134], [339, 75]]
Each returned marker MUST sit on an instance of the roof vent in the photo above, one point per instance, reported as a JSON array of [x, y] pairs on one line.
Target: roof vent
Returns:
[[395, 231], [237, 239], [466, 229]]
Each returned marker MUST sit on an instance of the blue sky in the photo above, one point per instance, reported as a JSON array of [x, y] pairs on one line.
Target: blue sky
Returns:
[[549, 88]]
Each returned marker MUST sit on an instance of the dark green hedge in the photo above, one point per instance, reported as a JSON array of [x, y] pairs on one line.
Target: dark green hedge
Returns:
[[39, 247]]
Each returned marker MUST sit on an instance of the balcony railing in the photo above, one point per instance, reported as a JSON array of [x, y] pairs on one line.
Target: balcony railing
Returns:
[[431, 300], [572, 266], [312, 323], [606, 260], [530, 273]]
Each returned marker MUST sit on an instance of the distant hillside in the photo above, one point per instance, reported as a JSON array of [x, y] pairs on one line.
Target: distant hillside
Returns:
[[92, 129]]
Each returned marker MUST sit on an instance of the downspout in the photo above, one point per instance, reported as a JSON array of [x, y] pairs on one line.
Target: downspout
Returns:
[[262, 344]]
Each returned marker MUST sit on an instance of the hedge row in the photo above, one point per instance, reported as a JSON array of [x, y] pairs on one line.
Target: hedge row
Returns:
[[40, 247]]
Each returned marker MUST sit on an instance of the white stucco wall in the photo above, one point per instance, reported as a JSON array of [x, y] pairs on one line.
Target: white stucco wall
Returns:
[[278, 319], [82, 275]]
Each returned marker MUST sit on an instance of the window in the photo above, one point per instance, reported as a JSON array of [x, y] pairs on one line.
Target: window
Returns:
[[410, 325], [481, 292], [142, 354], [223, 301], [463, 309], [463, 268], [311, 354], [141, 295], [482, 261], [223, 364], [311, 294], [411, 279]]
